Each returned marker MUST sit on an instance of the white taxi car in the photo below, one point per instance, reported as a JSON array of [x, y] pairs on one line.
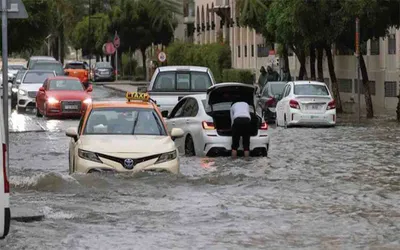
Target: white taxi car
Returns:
[[306, 103], [205, 120], [5, 214], [126, 136]]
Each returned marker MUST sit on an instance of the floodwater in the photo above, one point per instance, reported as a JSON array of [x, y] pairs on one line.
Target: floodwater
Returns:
[[336, 188]]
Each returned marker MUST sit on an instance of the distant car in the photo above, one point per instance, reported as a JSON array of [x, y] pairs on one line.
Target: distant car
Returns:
[[79, 70], [30, 84], [49, 65], [62, 96], [306, 103], [14, 87], [206, 122], [13, 70], [34, 59], [268, 98], [124, 136], [5, 214], [103, 71]]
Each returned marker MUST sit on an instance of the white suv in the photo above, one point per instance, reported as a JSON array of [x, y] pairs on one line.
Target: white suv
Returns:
[[5, 214]]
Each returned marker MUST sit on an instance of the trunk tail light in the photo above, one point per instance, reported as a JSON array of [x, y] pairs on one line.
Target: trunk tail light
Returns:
[[208, 125], [270, 102], [264, 126], [331, 105], [294, 104], [6, 183]]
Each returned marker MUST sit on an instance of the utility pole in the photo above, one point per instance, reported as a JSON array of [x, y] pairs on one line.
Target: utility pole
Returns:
[[89, 38], [358, 67]]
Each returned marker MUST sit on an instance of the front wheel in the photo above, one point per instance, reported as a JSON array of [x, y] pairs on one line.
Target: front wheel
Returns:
[[20, 109]]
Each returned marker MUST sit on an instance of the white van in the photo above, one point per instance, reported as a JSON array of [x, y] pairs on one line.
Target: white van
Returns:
[[5, 214]]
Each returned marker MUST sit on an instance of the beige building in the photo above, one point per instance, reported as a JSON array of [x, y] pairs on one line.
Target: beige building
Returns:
[[208, 21]]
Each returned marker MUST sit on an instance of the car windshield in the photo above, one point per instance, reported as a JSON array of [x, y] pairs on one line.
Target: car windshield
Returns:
[[16, 67], [75, 66], [57, 67], [63, 84], [310, 89], [182, 81], [124, 121], [103, 65], [37, 77], [274, 89]]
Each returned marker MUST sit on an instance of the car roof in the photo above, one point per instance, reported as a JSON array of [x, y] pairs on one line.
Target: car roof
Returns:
[[63, 78], [42, 58], [309, 82], [39, 70], [74, 62], [122, 104], [183, 68], [47, 62]]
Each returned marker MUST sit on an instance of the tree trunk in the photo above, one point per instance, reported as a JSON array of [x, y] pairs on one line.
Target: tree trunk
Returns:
[[55, 48], [143, 51], [320, 61], [335, 86], [59, 48], [285, 56], [97, 58], [398, 108], [112, 60], [302, 60], [312, 62], [367, 91], [62, 44], [107, 58]]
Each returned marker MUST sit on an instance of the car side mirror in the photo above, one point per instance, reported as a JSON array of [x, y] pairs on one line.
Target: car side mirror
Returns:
[[41, 89], [176, 133], [90, 88], [71, 132], [18, 81], [164, 113]]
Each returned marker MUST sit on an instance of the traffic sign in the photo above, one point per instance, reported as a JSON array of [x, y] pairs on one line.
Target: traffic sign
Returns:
[[117, 41], [162, 56], [16, 10], [108, 48]]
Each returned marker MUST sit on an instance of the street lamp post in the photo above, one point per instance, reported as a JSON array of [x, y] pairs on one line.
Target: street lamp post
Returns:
[[89, 34]]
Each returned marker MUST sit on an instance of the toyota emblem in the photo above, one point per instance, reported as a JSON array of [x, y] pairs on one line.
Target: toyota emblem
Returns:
[[128, 163]]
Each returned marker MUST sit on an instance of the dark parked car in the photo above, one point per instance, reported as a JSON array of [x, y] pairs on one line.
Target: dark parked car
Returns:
[[14, 87], [103, 71], [49, 65], [269, 97]]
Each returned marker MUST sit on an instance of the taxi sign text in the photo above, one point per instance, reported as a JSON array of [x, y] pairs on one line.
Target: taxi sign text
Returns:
[[137, 96]]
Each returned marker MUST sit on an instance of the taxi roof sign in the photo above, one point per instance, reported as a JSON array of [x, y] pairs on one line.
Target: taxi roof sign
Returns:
[[135, 96]]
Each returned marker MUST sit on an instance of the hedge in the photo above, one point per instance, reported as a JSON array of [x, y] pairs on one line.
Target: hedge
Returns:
[[238, 75], [215, 56]]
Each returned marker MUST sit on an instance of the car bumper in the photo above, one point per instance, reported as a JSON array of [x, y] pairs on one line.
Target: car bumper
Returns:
[[25, 101], [104, 77], [215, 144], [86, 166], [297, 117], [56, 110]]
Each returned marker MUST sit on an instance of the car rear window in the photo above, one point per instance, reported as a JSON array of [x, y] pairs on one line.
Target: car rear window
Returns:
[[62, 84], [310, 89], [277, 88], [75, 66], [182, 81], [49, 66]]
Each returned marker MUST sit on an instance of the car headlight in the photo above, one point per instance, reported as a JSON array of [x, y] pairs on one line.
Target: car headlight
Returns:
[[52, 100], [88, 155], [166, 157], [22, 92], [87, 101], [14, 89]]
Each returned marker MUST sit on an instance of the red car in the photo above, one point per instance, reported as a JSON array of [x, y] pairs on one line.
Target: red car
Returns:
[[62, 96]]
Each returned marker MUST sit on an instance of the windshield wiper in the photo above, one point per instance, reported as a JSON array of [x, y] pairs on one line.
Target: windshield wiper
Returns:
[[158, 124], [134, 123]]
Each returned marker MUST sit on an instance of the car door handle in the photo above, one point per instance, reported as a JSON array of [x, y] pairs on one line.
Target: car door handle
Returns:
[[173, 123], [187, 121]]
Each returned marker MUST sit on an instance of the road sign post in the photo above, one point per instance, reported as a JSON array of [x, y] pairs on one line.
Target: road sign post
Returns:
[[116, 45], [358, 67], [10, 9]]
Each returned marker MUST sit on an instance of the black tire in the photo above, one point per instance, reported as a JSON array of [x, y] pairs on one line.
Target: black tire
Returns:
[[189, 146], [13, 102], [285, 121], [21, 110]]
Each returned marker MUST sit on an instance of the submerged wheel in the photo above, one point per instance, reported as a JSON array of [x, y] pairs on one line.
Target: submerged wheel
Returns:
[[20, 109], [189, 146], [38, 114], [285, 121]]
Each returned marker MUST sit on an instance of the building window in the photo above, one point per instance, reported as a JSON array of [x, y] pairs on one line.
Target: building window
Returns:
[[392, 44], [262, 50], [252, 50], [239, 51], [390, 89], [245, 51], [371, 84], [374, 47], [344, 85]]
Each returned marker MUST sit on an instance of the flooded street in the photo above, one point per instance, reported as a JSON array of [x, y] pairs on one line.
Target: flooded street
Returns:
[[336, 188]]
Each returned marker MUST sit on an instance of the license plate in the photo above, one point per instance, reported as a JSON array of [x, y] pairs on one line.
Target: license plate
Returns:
[[314, 117], [314, 106], [104, 73], [71, 106]]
